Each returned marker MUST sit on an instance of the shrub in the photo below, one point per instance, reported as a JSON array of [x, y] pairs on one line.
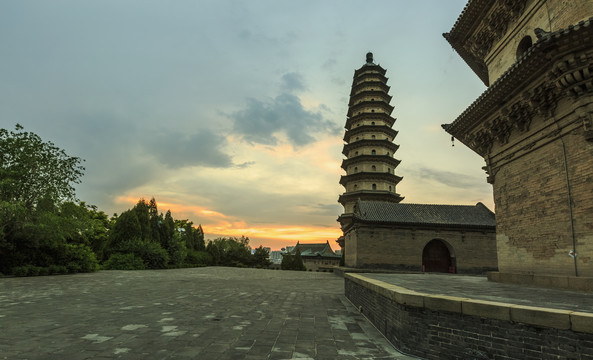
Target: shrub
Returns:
[[124, 262], [19, 271], [57, 269], [198, 258], [80, 258], [177, 253], [151, 253]]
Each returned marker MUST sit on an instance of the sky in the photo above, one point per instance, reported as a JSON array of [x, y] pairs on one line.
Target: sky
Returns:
[[231, 113]]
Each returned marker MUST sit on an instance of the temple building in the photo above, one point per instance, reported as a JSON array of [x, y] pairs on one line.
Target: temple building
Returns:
[[381, 232], [318, 256], [534, 128]]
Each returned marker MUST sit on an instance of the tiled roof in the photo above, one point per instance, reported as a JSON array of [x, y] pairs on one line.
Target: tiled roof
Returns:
[[424, 214], [323, 250]]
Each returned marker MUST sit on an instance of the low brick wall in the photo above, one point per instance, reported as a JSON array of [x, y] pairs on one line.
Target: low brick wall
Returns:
[[446, 327]]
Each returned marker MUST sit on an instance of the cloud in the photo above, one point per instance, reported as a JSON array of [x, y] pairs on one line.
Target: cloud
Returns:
[[448, 178], [261, 122], [177, 150], [293, 82]]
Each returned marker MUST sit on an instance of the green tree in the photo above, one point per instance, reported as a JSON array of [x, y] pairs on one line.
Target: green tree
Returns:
[[39, 227], [142, 213], [231, 251], [126, 228], [155, 220], [261, 257], [31, 169], [293, 261]]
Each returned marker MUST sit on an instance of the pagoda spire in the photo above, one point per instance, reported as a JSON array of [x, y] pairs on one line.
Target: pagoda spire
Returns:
[[369, 149]]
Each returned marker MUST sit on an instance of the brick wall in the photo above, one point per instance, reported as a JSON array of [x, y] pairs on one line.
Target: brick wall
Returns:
[[448, 335], [399, 248], [533, 211]]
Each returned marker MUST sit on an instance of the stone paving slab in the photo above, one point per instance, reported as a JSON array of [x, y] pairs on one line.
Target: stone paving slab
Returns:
[[202, 313], [478, 287]]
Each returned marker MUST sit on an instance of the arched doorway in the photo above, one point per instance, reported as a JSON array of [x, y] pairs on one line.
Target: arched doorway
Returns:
[[436, 257]]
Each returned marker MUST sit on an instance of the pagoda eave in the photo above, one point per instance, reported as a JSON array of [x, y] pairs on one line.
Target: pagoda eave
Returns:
[[387, 130], [371, 158], [373, 195], [370, 143], [370, 176]]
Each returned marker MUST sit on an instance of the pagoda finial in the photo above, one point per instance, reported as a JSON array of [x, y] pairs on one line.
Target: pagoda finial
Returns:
[[369, 57]]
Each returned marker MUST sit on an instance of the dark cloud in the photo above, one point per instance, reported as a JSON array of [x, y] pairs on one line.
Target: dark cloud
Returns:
[[293, 82], [177, 150], [260, 122], [452, 179], [326, 209]]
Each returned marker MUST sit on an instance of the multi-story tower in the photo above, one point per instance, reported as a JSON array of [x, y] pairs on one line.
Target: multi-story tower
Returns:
[[369, 164]]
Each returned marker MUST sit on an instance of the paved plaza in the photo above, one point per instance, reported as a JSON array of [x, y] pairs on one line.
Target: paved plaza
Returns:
[[200, 313]]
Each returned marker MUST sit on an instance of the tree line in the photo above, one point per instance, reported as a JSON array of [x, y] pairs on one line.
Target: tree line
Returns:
[[45, 230]]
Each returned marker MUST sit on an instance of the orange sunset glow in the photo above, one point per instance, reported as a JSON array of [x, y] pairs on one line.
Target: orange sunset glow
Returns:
[[216, 224]]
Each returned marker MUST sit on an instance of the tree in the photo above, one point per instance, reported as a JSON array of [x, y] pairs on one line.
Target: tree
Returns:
[[293, 261], [261, 257], [39, 227], [230, 251], [31, 169]]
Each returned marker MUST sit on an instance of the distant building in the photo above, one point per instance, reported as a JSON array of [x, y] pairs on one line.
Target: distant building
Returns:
[[276, 256], [533, 126], [316, 256]]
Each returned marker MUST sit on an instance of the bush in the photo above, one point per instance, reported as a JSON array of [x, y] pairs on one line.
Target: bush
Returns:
[[177, 253], [124, 262], [33, 270], [198, 258], [151, 253], [80, 258], [19, 271], [57, 269]]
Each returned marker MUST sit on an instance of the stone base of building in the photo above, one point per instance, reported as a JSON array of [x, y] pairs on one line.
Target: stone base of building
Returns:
[[448, 327], [576, 283]]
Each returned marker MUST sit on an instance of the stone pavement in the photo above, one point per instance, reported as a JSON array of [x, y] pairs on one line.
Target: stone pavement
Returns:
[[478, 287], [202, 313]]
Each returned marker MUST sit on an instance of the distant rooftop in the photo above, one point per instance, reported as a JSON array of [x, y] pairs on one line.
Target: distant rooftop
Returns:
[[321, 250]]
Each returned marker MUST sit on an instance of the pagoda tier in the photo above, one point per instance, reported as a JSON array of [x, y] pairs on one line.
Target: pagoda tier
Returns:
[[369, 95], [371, 85], [369, 119], [369, 147], [369, 164], [359, 132], [353, 164]]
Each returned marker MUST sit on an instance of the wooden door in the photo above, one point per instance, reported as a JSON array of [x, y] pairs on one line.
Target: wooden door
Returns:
[[436, 257]]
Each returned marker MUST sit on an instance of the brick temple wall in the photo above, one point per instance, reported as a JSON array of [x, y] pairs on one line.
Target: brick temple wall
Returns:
[[440, 334], [399, 248], [531, 196]]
